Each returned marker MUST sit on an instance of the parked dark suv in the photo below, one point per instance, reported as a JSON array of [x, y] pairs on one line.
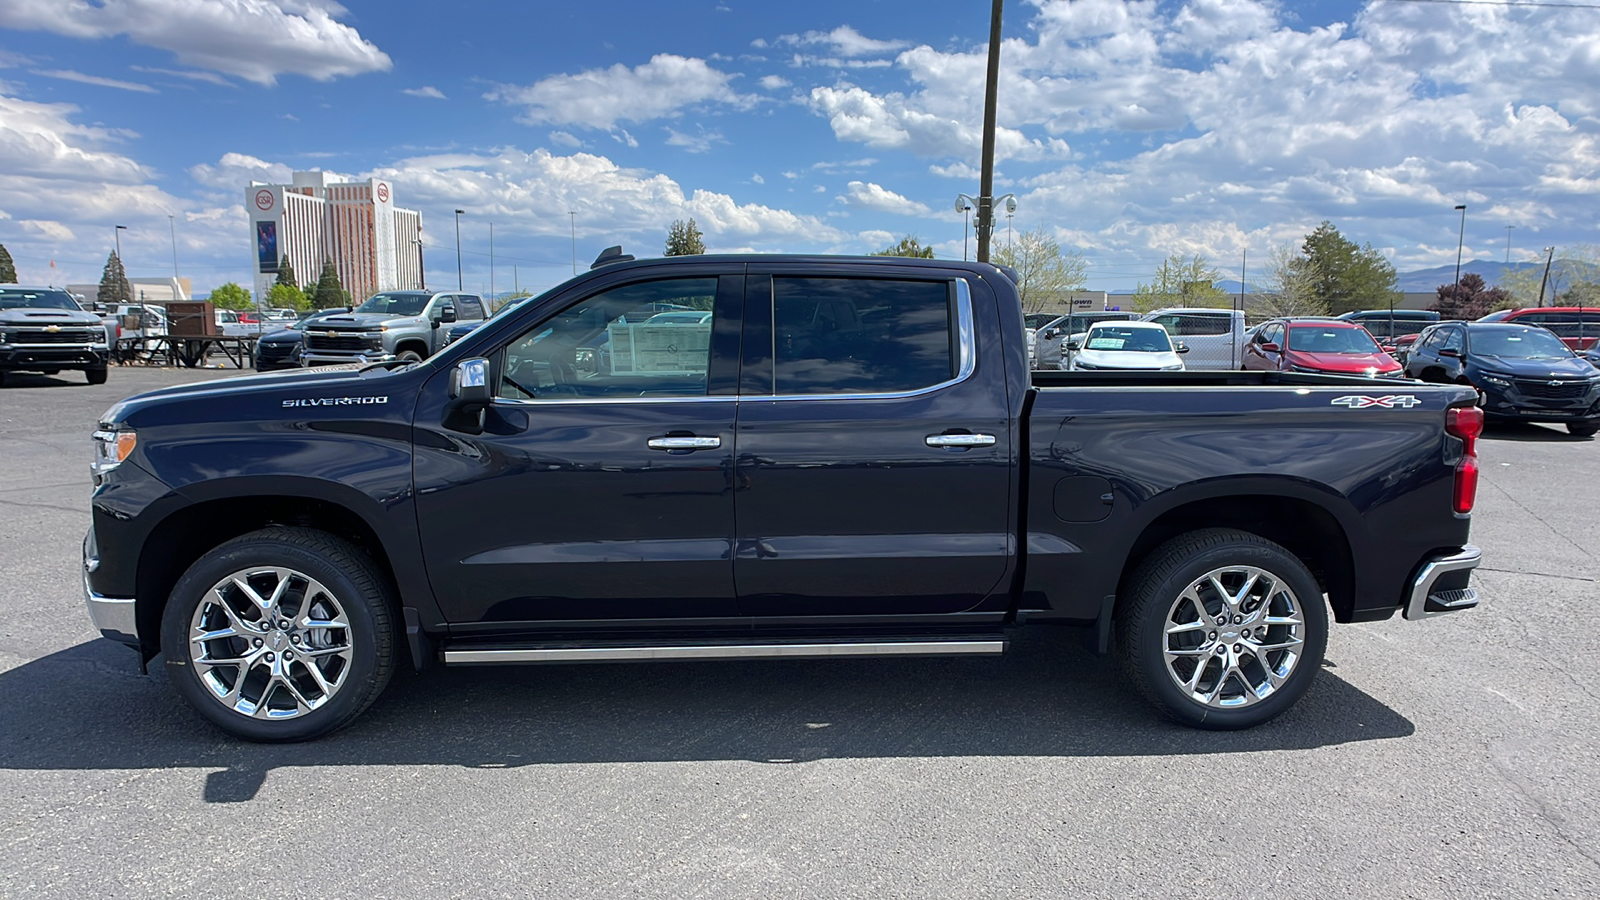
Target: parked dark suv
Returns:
[[1522, 372]]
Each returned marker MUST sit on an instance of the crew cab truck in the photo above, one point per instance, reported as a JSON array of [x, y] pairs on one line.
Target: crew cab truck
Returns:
[[391, 325], [44, 330], [847, 457]]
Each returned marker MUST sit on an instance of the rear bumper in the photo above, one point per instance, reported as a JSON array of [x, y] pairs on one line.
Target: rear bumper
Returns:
[[1441, 585]]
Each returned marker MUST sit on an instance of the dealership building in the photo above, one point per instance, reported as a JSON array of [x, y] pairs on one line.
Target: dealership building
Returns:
[[374, 244]]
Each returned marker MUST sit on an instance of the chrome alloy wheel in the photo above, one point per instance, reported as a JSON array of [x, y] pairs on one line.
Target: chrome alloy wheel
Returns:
[[1233, 637], [270, 643]]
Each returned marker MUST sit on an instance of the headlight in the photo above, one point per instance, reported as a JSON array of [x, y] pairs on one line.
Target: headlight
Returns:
[[1176, 368], [1495, 380], [110, 449], [1305, 370]]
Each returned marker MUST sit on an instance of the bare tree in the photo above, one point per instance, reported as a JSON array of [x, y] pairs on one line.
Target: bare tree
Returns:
[[1044, 273], [1288, 287], [1182, 281]]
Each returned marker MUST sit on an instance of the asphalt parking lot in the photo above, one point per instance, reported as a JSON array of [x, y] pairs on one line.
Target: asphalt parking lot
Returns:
[[1455, 757]]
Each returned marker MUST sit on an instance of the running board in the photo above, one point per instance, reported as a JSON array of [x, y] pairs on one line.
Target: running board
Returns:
[[770, 650]]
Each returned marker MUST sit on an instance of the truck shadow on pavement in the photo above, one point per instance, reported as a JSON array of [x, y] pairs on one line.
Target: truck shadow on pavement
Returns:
[[88, 708]]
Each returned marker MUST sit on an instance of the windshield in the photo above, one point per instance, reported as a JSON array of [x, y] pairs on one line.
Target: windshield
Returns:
[[395, 304], [1521, 343], [1131, 340], [1312, 339], [13, 298]]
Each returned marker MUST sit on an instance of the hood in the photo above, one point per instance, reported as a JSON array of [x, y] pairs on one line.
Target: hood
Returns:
[[287, 384], [283, 336], [351, 321], [27, 315], [1571, 367], [1343, 363], [1117, 359]]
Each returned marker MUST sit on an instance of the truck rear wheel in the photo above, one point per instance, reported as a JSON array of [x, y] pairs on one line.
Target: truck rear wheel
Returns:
[[1222, 629], [283, 634]]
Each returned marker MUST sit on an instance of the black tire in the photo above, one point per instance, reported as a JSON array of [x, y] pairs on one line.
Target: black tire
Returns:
[[1583, 429], [95, 376], [409, 356], [1153, 597], [365, 648]]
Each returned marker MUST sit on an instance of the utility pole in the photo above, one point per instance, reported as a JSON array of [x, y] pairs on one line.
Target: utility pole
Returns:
[[1455, 292], [491, 259], [574, 218], [173, 226], [1550, 254], [985, 214]]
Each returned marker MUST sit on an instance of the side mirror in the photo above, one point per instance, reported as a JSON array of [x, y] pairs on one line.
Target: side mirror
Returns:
[[469, 382], [1074, 345], [1451, 352], [1180, 347], [1270, 347], [1051, 334], [447, 315]]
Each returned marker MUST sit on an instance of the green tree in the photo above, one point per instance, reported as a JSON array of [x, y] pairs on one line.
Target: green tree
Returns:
[[1044, 273], [1574, 276], [1344, 276], [910, 246], [8, 268], [1182, 281], [1286, 287], [329, 292], [114, 285], [231, 296], [1468, 300], [286, 274], [288, 296], [684, 239]]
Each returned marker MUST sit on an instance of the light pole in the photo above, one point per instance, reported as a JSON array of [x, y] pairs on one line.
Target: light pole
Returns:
[[118, 233], [1508, 243], [491, 259], [964, 205], [422, 272], [1455, 293], [172, 225], [460, 282], [1010, 201], [1550, 254], [574, 217]]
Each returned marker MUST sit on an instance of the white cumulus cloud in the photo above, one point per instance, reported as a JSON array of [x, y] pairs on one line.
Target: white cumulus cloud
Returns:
[[876, 198], [428, 91], [603, 98]]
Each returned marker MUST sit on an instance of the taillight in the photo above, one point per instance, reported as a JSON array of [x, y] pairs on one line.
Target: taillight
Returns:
[[1466, 423]]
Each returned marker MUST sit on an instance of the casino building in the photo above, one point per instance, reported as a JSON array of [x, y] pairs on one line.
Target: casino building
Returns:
[[374, 244]]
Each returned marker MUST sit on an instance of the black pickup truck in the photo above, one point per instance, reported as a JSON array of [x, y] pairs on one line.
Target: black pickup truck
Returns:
[[764, 456]]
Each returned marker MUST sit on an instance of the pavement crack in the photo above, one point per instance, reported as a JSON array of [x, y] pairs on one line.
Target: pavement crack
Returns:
[[1508, 773], [1521, 572], [1540, 519]]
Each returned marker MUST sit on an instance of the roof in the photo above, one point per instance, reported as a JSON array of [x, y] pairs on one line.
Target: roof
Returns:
[[1125, 323]]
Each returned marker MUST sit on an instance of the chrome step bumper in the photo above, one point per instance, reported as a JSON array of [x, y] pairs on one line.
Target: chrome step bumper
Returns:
[[1427, 599]]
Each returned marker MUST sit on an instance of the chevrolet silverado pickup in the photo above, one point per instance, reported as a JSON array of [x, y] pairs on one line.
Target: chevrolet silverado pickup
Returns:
[[838, 457]]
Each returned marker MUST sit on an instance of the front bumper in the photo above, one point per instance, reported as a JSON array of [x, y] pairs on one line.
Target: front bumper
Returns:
[[334, 357], [114, 617], [1510, 404], [32, 357], [1442, 586]]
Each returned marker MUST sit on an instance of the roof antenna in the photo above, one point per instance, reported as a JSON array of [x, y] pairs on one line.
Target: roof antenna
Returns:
[[611, 255]]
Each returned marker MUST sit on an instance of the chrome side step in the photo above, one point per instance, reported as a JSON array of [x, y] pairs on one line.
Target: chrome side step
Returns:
[[773, 650]]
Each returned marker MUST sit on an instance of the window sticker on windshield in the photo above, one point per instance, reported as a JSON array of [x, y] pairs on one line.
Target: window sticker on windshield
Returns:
[[1106, 343]]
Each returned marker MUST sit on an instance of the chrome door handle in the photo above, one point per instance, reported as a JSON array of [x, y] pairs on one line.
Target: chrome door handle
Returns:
[[684, 443], [960, 440]]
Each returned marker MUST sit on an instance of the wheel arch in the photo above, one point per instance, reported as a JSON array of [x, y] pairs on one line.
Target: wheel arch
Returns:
[[417, 345], [1292, 515], [187, 534]]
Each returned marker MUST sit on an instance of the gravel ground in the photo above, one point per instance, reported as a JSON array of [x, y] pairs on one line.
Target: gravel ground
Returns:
[[1455, 757]]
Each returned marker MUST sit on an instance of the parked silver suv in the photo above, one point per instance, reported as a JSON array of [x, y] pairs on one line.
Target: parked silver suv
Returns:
[[390, 325]]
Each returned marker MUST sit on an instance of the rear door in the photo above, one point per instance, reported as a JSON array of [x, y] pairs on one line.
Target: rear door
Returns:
[[874, 446]]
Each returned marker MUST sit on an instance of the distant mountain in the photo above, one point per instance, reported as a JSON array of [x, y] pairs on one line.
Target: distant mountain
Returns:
[[1420, 280]]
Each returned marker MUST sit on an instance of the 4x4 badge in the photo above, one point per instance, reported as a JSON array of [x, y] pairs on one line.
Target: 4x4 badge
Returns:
[[1388, 401]]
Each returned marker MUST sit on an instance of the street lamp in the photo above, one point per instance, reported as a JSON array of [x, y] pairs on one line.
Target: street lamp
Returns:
[[574, 217], [1508, 243], [422, 272], [173, 226], [1010, 201], [118, 232], [1455, 294], [460, 282], [964, 205]]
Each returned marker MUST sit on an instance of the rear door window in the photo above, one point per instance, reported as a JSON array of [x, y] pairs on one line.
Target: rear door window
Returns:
[[861, 336], [1194, 324]]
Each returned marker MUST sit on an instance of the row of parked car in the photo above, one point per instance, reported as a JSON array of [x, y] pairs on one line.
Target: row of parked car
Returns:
[[1532, 365]]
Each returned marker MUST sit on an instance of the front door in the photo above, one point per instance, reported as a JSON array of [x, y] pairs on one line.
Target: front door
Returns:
[[601, 483], [874, 466]]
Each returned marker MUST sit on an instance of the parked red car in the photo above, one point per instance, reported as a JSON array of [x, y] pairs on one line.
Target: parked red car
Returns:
[[1319, 346], [1577, 326]]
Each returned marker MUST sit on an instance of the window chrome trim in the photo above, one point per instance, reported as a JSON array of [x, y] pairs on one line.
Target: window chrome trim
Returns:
[[967, 349]]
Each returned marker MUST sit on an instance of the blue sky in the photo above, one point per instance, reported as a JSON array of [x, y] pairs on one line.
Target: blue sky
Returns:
[[1129, 130]]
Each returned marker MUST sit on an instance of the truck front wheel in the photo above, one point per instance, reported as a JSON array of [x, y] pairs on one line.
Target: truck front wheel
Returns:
[[1222, 629], [283, 634]]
